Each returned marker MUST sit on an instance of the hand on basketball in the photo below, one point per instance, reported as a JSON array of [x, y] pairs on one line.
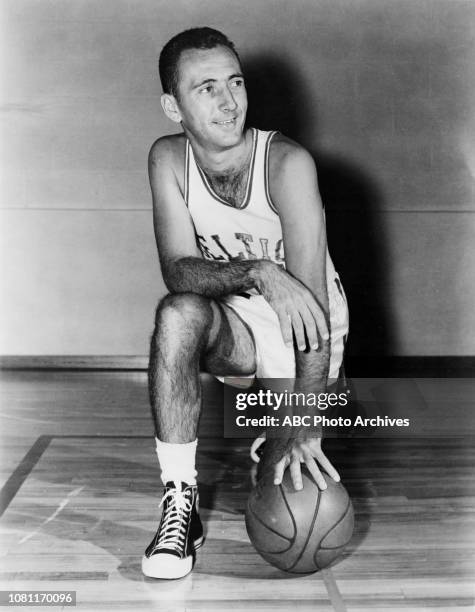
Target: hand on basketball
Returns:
[[295, 306], [308, 451]]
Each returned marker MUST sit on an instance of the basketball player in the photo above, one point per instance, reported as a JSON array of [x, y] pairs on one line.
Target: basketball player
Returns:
[[242, 245]]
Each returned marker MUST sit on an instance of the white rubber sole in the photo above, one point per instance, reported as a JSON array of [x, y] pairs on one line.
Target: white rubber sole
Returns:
[[169, 567]]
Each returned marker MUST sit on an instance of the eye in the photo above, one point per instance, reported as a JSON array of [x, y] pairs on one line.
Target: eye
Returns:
[[206, 89], [237, 83]]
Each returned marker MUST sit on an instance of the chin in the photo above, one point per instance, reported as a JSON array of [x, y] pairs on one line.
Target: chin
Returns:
[[232, 142], [233, 137]]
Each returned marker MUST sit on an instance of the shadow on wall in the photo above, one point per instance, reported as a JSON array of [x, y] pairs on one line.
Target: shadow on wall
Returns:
[[278, 99]]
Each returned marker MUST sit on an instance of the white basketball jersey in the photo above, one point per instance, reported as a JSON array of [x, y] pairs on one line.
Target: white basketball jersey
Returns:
[[226, 233]]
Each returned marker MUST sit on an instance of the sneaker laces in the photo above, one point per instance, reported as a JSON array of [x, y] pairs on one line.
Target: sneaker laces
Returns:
[[174, 520]]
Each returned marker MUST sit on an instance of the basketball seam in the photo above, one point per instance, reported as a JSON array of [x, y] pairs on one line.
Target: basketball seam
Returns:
[[331, 529], [294, 525], [289, 540], [256, 516], [308, 536]]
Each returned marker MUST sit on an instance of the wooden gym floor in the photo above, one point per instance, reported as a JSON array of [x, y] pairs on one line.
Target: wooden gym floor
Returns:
[[80, 503]]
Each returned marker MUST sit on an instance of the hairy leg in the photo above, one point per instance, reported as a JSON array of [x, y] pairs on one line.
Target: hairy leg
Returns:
[[190, 331]]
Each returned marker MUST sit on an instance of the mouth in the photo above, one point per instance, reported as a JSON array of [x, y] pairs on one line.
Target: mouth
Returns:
[[226, 122]]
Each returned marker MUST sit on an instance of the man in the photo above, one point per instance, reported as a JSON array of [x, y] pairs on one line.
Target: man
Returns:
[[241, 238]]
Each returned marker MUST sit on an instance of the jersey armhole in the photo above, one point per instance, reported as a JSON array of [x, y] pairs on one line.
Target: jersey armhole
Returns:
[[266, 172]]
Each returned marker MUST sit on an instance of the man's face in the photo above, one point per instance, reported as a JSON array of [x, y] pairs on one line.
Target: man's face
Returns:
[[212, 99]]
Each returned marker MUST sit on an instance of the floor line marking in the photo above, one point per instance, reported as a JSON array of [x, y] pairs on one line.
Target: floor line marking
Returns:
[[333, 592], [22, 471], [63, 503]]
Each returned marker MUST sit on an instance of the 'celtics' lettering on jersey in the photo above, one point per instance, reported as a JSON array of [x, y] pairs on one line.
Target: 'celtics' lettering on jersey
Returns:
[[226, 233], [232, 248]]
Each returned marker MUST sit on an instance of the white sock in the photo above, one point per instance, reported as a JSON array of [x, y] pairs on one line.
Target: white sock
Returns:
[[177, 461]]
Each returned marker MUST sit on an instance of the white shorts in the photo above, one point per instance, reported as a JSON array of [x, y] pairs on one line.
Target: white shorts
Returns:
[[274, 359]]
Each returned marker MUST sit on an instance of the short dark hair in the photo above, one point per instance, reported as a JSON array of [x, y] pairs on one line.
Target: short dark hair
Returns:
[[195, 38]]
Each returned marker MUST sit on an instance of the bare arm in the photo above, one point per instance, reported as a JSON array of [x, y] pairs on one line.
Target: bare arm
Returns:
[[210, 278], [298, 201], [294, 188]]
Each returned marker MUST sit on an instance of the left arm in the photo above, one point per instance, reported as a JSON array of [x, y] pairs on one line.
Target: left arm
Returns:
[[295, 194], [294, 191]]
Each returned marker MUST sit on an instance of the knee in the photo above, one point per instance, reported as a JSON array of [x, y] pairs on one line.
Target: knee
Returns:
[[185, 312]]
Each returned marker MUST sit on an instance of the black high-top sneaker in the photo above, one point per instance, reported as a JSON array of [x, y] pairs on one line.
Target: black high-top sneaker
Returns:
[[180, 533]]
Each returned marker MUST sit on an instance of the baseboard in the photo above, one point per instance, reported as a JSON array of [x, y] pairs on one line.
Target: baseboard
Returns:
[[410, 366], [73, 362], [356, 367]]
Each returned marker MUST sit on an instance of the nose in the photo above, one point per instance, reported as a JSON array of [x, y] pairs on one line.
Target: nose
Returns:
[[227, 101]]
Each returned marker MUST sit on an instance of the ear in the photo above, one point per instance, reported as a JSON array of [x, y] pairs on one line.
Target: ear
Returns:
[[170, 107]]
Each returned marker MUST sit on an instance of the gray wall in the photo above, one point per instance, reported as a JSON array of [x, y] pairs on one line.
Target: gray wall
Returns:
[[381, 92]]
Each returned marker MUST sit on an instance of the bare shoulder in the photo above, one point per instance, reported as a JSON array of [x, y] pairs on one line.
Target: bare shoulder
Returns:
[[167, 154], [293, 181], [286, 155]]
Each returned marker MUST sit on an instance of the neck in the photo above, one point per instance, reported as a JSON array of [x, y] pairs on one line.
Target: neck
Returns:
[[223, 161]]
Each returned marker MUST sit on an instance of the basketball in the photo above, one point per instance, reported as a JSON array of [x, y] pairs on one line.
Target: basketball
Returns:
[[299, 531]]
